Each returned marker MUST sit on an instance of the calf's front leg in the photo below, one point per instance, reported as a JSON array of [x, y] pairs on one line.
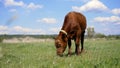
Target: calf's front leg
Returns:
[[77, 44], [69, 47]]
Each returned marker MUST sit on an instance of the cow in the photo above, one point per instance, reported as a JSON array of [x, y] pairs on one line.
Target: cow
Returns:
[[73, 29]]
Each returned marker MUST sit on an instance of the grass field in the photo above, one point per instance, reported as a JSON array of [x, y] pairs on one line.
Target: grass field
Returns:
[[97, 54]]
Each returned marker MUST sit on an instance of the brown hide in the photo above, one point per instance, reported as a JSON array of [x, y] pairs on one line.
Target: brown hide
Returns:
[[73, 28]]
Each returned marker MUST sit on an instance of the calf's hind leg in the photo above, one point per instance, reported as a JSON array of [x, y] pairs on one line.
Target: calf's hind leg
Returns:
[[82, 41]]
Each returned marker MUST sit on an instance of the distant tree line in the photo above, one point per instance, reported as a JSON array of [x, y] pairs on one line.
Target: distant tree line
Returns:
[[90, 34], [23, 36]]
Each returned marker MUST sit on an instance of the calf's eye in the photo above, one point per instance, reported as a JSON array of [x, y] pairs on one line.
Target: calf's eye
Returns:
[[58, 46]]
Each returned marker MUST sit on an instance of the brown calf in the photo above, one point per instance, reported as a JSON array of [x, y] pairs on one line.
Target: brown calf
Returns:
[[73, 28]]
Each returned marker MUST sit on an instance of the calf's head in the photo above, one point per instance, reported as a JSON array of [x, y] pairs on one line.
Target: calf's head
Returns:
[[61, 43]]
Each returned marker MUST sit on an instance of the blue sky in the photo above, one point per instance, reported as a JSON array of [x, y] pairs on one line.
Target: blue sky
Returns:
[[46, 16]]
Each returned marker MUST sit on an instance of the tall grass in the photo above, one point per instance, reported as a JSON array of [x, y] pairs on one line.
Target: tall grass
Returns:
[[97, 54]]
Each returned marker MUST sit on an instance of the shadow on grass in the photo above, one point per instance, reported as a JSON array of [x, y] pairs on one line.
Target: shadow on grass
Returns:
[[73, 54]]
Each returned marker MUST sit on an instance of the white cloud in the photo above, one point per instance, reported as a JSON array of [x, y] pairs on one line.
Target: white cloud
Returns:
[[116, 11], [20, 30], [3, 29], [55, 30], [14, 3], [33, 6], [47, 20], [23, 30], [112, 19], [92, 5], [3, 32]]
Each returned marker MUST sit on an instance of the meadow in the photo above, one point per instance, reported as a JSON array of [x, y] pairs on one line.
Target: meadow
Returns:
[[99, 53]]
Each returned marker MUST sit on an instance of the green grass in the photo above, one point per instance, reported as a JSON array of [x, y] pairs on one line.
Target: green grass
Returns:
[[97, 54]]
